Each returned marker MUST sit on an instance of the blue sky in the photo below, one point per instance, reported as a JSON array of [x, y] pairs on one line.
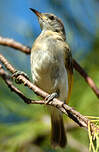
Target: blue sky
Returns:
[[19, 23]]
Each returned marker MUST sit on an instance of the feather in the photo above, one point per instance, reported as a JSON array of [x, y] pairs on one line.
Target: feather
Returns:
[[69, 68], [70, 85]]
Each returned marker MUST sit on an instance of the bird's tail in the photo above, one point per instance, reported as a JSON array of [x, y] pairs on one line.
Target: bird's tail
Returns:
[[58, 134]]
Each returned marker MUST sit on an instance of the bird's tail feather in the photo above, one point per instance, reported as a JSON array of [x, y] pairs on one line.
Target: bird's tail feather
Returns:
[[58, 134]]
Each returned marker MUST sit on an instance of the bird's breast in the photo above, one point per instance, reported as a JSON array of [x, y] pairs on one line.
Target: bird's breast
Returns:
[[43, 68], [48, 73], [48, 68]]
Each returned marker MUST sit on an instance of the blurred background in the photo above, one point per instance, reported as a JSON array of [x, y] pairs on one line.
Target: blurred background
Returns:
[[26, 128]]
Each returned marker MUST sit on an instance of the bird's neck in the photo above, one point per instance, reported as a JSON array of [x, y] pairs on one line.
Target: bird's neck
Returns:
[[55, 34]]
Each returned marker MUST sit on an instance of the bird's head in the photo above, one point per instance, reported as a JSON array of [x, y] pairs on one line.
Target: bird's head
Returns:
[[49, 21]]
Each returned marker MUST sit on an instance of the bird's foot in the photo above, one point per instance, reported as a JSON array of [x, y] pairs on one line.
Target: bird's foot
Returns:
[[51, 97], [17, 73]]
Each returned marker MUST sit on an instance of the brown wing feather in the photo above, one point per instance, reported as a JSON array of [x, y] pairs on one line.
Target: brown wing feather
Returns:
[[69, 68], [70, 85]]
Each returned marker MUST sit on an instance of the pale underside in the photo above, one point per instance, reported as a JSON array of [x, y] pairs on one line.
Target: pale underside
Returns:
[[48, 68]]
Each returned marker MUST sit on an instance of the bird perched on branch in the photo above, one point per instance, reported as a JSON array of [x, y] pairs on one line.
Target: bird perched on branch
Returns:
[[52, 69]]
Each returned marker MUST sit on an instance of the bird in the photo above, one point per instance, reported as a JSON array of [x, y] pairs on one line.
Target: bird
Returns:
[[52, 69]]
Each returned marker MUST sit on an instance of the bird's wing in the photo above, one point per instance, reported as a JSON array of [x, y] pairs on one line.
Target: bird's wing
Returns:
[[69, 68]]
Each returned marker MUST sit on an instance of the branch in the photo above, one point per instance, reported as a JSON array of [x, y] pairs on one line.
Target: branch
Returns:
[[7, 80], [14, 44], [81, 120], [27, 50], [86, 77]]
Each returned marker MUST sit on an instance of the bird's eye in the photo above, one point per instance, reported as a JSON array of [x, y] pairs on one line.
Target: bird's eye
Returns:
[[51, 17], [57, 30]]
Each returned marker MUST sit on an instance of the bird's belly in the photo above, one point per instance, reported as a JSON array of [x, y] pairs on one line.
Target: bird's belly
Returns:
[[49, 75]]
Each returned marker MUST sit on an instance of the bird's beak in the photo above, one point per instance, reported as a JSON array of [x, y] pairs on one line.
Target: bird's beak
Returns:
[[39, 15]]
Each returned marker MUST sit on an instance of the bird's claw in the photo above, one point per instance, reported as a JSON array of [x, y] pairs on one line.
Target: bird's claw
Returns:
[[51, 97], [17, 73]]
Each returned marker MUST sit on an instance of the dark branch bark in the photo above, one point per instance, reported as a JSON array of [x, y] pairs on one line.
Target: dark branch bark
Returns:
[[27, 50], [81, 120]]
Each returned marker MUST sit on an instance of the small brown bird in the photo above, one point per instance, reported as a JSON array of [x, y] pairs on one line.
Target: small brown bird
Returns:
[[52, 69]]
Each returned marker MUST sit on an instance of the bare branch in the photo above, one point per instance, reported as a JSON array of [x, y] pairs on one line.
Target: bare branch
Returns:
[[86, 77], [7, 80], [81, 120], [27, 50], [14, 44], [7, 64]]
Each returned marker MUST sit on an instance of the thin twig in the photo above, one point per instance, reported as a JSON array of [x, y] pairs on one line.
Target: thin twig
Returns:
[[67, 110], [27, 50], [86, 77]]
